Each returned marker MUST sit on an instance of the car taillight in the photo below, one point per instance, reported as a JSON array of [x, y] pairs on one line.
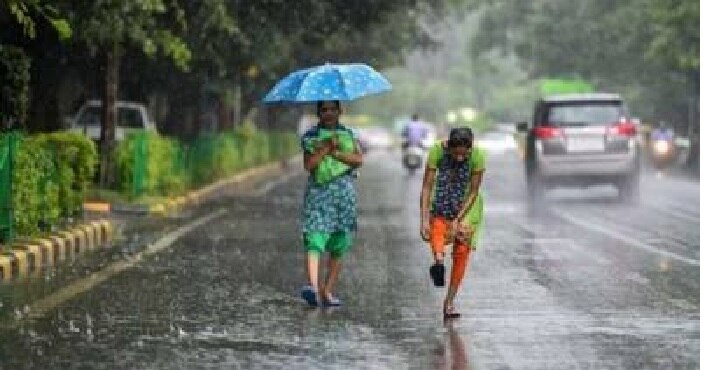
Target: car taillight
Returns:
[[622, 129], [547, 132]]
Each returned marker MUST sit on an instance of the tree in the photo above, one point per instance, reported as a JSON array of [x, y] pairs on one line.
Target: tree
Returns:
[[14, 87], [225, 43], [676, 34], [247, 45], [15, 62], [25, 13], [645, 49], [108, 28]]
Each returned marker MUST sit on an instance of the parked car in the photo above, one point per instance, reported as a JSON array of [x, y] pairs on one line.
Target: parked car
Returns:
[[130, 117], [581, 140]]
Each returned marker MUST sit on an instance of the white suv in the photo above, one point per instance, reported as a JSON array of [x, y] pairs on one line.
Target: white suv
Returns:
[[130, 117], [581, 140]]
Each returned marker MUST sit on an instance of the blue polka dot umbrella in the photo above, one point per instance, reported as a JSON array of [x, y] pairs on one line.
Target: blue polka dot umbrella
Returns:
[[344, 82]]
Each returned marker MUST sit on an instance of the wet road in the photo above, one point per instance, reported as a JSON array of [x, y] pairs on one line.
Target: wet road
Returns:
[[583, 283]]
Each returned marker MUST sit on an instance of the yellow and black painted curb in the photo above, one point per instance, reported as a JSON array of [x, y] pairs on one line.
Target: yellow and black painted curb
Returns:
[[29, 257], [176, 204]]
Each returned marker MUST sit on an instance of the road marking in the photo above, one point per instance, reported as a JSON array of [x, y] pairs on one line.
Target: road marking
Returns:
[[44, 305], [624, 238]]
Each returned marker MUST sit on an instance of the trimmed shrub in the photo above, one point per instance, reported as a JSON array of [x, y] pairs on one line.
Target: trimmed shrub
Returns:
[[35, 194], [74, 157], [150, 164]]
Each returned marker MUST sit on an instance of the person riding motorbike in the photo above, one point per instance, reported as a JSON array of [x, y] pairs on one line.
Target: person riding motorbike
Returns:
[[414, 132], [662, 145], [413, 149], [662, 132]]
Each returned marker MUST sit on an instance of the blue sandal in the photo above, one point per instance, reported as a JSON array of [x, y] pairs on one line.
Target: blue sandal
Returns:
[[309, 295]]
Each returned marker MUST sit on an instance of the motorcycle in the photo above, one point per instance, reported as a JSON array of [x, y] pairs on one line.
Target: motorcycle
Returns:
[[413, 156], [663, 152]]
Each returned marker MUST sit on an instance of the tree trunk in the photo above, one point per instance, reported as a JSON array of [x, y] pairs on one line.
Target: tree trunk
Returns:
[[237, 104], [107, 132]]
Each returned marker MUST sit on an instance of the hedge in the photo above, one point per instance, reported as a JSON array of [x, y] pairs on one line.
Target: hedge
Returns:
[[51, 175], [152, 165]]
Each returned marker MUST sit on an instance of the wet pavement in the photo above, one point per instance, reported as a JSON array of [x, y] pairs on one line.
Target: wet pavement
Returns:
[[584, 282]]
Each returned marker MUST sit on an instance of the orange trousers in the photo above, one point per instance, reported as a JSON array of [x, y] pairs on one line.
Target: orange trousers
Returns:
[[440, 229]]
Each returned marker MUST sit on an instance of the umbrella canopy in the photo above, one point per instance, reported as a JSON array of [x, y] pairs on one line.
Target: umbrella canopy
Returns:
[[344, 82]]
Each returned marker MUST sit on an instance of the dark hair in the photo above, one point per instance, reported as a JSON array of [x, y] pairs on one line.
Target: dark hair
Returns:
[[319, 105], [414, 117], [460, 136]]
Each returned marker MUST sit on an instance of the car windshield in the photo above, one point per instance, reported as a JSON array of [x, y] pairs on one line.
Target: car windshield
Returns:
[[584, 113], [90, 117], [129, 118]]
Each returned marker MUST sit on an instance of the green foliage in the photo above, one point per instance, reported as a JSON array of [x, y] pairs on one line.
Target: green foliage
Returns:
[[212, 157], [185, 47], [20, 10], [160, 170], [74, 158], [562, 86], [676, 34], [14, 85], [8, 150], [24, 12], [252, 44], [50, 178], [63, 28], [449, 78], [648, 50], [35, 196], [104, 25], [171, 168]]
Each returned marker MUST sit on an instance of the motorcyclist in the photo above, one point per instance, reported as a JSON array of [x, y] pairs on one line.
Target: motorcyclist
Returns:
[[662, 148], [662, 132], [414, 132]]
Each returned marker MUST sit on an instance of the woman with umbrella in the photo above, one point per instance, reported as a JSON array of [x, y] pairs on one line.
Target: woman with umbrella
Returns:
[[331, 155]]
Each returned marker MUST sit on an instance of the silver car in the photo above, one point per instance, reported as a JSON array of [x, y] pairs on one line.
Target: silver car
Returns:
[[581, 140]]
